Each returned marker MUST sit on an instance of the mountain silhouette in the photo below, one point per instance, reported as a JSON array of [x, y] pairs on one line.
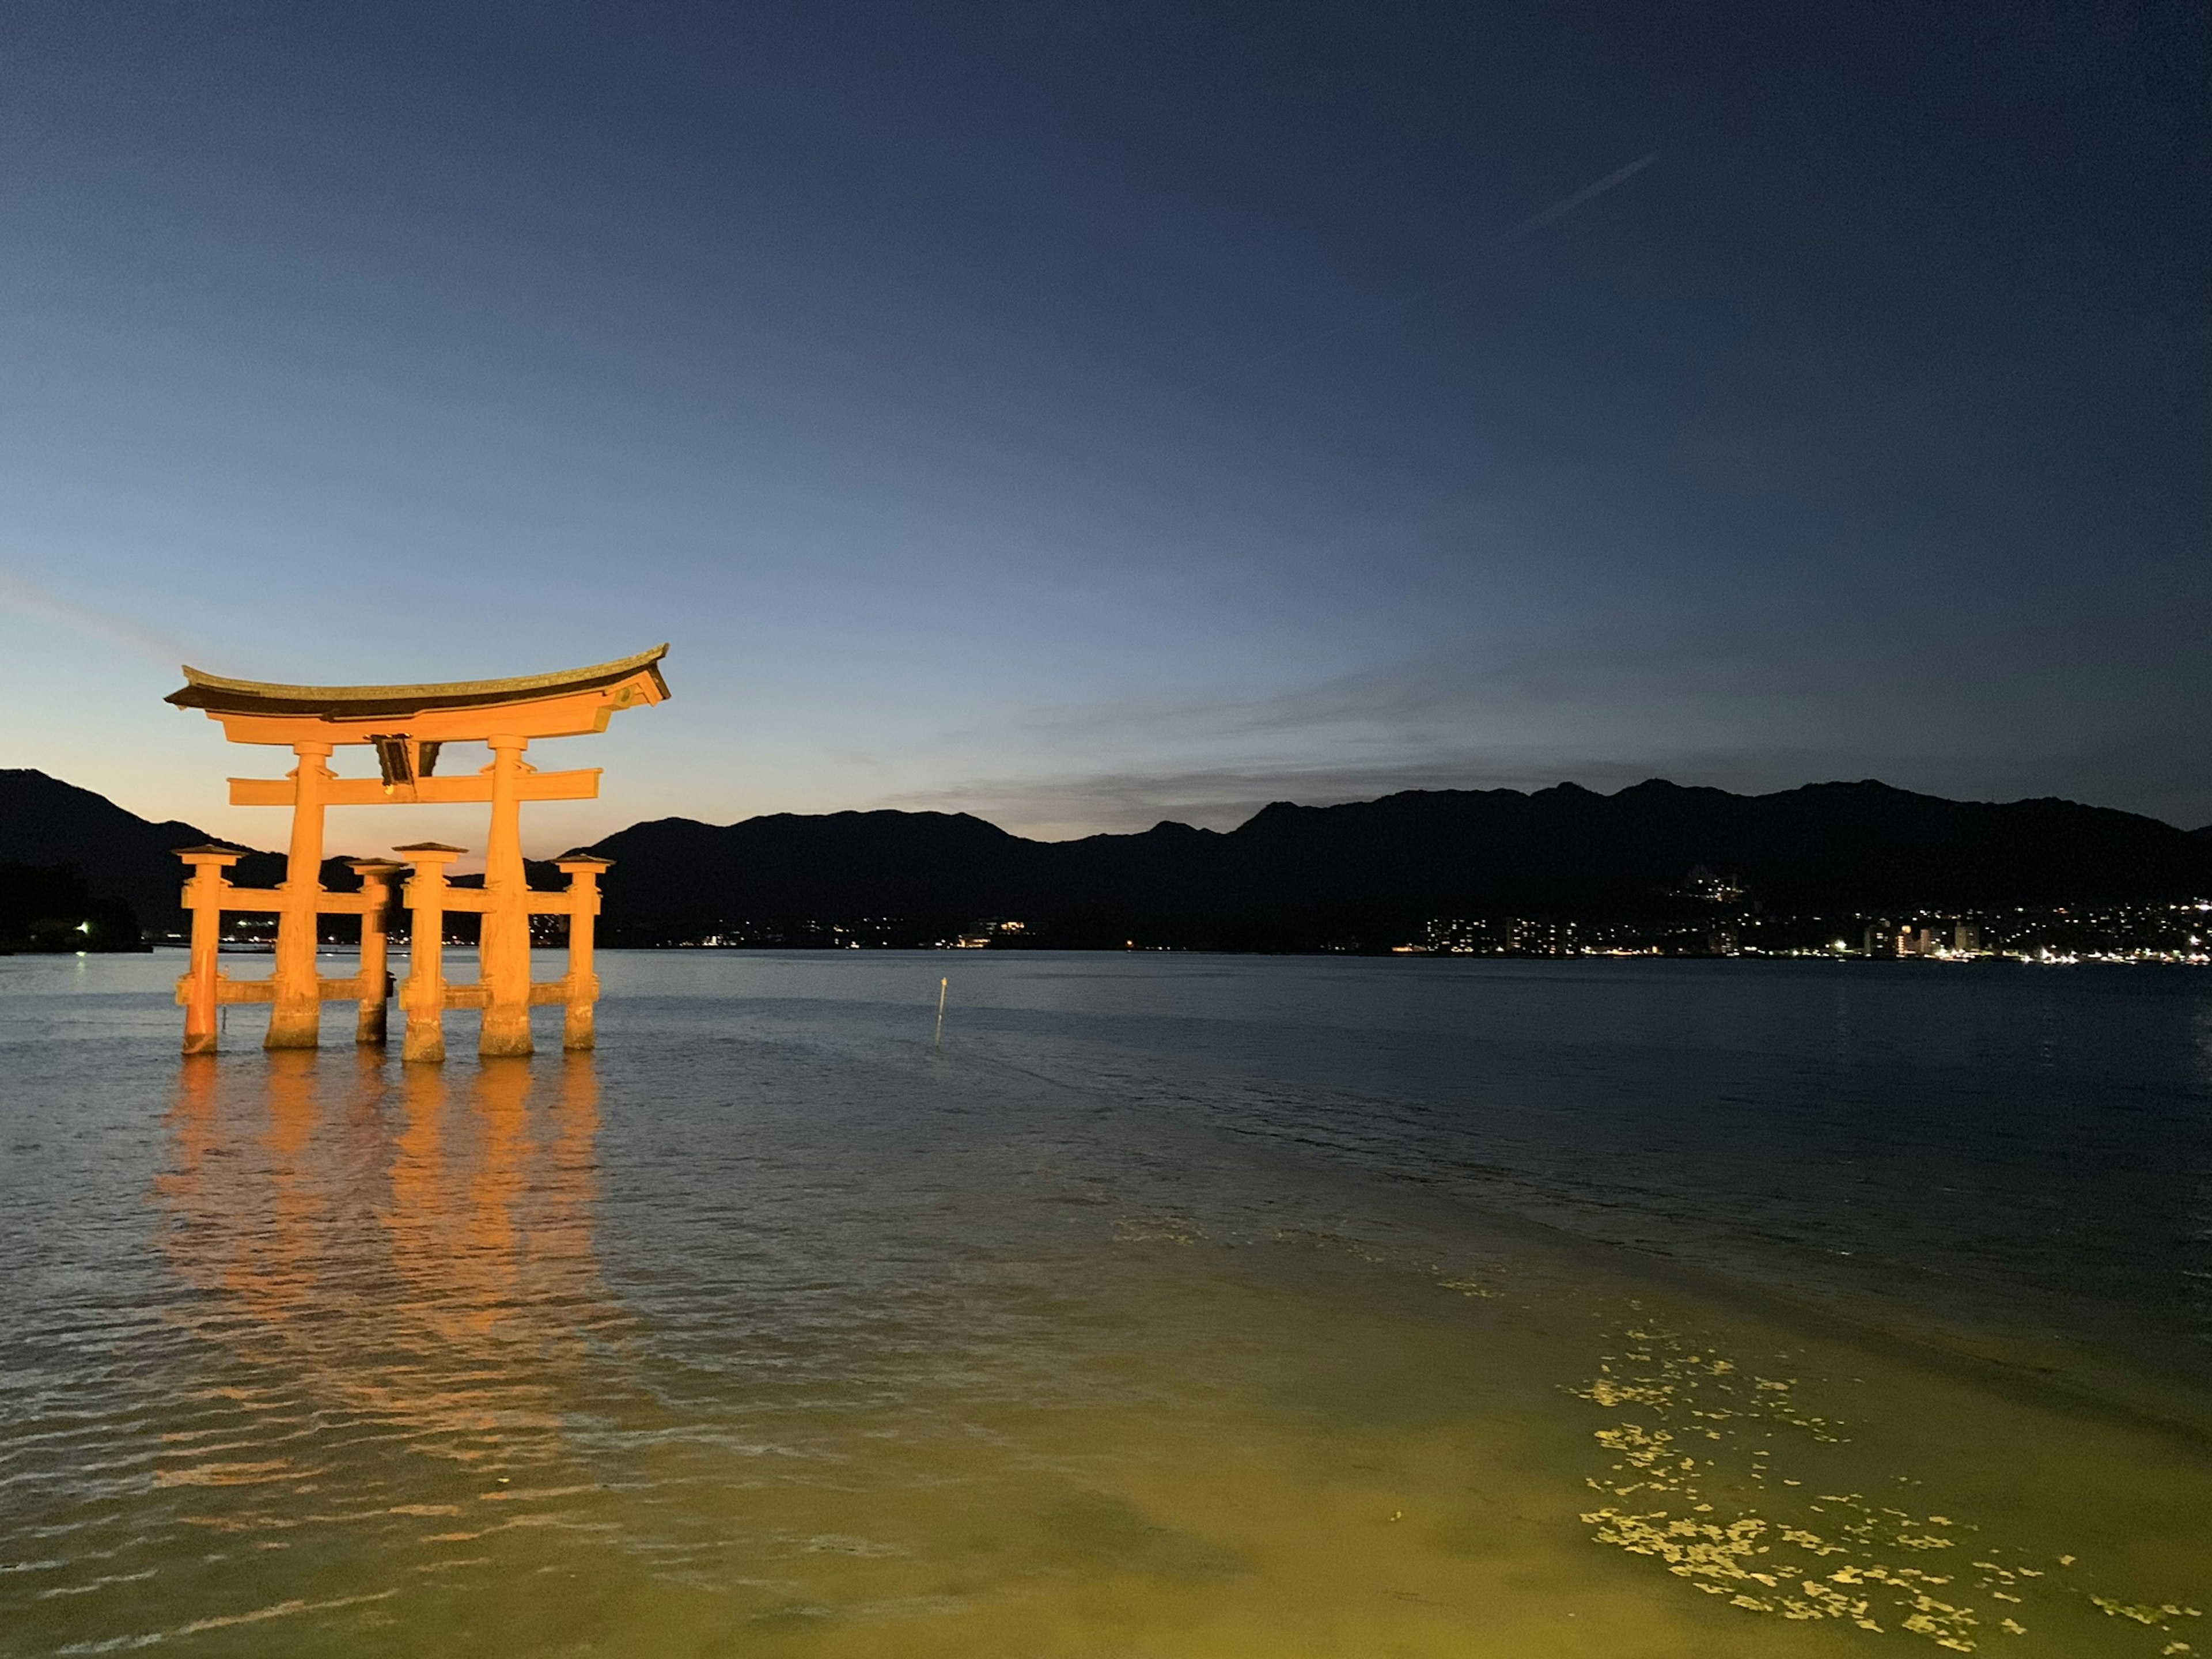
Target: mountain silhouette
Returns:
[[1290, 878], [1298, 877]]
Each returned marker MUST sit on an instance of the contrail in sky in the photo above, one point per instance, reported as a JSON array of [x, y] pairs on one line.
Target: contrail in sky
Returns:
[[1560, 209], [1551, 216]]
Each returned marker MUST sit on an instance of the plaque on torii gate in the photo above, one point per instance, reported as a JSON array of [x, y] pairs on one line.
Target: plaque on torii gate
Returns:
[[407, 725]]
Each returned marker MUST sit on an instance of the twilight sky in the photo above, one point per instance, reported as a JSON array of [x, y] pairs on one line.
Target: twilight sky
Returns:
[[1083, 414]]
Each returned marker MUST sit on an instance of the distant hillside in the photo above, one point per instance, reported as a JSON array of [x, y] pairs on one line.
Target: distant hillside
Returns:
[[1294, 877], [1290, 878], [117, 855], [44, 821], [43, 907]]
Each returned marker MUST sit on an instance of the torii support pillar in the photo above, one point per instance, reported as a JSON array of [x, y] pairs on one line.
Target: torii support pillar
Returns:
[[578, 1031], [422, 999], [375, 979], [503, 947], [204, 898], [296, 1017]]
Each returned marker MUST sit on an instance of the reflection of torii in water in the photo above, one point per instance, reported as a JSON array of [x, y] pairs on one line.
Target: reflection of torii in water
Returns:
[[407, 725], [431, 1269]]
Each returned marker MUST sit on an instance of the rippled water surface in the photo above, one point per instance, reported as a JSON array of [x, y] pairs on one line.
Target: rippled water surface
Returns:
[[1176, 1306]]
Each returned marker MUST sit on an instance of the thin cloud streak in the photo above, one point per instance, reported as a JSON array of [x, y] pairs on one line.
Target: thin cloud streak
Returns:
[[25, 600], [2138, 776], [1693, 696], [1504, 239], [1764, 671]]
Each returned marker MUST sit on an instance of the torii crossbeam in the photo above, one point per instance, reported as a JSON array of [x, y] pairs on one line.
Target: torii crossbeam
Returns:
[[407, 725]]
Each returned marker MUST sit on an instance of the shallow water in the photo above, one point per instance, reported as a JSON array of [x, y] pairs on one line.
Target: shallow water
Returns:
[[1174, 1306]]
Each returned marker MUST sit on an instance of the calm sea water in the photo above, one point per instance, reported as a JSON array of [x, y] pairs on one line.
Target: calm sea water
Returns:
[[1175, 1305]]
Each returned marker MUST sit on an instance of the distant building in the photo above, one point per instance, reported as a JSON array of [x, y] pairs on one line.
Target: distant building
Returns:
[[1702, 884], [1964, 940], [1920, 942], [1520, 936], [1543, 938], [1459, 936]]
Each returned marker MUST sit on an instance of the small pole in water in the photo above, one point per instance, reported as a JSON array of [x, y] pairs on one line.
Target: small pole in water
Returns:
[[941, 985]]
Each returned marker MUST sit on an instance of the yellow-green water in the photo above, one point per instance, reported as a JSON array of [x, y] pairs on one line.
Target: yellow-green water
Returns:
[[773, 1330]]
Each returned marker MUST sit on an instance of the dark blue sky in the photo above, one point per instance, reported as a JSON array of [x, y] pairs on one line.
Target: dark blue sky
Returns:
[[1084, 414]]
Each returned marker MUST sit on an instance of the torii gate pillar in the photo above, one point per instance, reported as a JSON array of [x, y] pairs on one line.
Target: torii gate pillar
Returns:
[[296, 1016], [503, 946]]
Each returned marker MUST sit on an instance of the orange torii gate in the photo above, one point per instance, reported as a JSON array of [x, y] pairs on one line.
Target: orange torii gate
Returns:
[[406, 725]]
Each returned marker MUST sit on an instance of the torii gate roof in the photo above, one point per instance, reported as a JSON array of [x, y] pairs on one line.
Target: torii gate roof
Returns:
[[574, 701]]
